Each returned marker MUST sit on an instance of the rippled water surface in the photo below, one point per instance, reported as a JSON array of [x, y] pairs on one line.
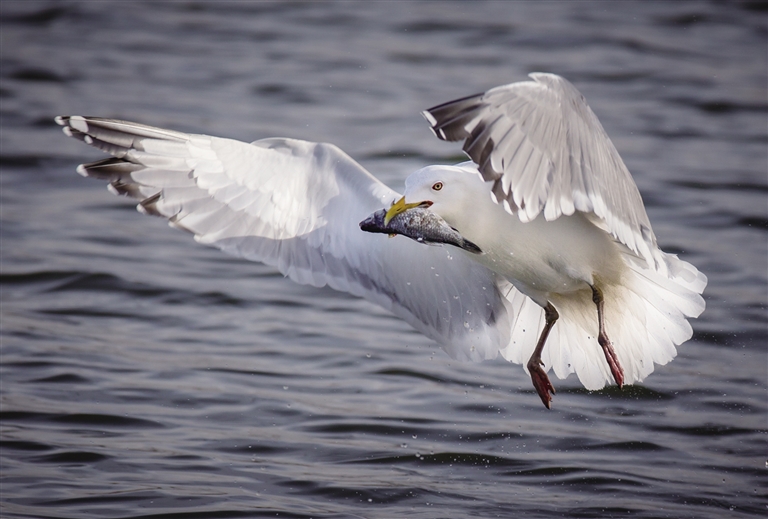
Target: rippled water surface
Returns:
[[144, 375]]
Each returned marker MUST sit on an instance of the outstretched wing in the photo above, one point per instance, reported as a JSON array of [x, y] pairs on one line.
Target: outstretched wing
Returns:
[[545, 151], [296, 205]]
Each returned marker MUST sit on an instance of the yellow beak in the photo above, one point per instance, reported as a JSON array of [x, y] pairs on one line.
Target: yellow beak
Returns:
[[397, 208]]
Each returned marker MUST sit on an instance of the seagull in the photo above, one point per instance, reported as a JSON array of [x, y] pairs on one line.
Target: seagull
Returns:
[[565, 276]]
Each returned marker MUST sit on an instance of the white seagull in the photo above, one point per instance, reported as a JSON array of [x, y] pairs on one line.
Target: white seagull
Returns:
[[569, 277]]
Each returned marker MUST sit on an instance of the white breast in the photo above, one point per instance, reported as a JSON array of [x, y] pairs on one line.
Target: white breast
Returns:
[[541, 257]]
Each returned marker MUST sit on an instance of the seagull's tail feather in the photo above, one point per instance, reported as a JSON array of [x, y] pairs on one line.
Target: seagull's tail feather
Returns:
[[646, 317]]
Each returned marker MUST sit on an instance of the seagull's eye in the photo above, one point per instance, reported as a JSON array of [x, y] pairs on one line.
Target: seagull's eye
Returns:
[[437, 186]]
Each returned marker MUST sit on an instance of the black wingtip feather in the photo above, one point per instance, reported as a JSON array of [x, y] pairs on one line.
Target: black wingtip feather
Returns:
[[149, 205], [449, 120], [108, 169]]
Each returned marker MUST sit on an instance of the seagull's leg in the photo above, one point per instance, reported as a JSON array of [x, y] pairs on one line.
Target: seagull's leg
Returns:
[[539, 376], [605, 342]]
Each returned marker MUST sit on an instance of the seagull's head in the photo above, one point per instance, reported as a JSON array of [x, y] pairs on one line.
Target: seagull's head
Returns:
[[448, 191]]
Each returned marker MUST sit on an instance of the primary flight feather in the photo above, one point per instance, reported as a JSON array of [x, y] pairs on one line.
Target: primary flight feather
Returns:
[[559, 270]]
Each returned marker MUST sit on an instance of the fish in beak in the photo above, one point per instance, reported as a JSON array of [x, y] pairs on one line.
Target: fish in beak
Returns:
[[416, 222], [400, 207]]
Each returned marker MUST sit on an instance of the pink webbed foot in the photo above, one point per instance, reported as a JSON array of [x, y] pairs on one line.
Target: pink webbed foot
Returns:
[[604, 341], [613, 360], [539, 376], [541, 382]]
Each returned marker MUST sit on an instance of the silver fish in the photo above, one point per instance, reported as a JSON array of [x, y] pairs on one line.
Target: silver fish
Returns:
[[420, 224]]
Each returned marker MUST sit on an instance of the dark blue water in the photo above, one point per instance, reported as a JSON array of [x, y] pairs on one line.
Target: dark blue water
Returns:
[[143, 375]]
